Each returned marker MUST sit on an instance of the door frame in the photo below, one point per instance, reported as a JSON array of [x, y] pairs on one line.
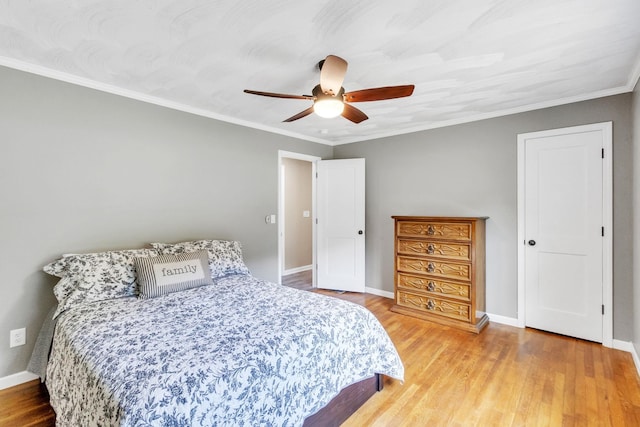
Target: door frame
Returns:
[[607, 220], [281, 218]]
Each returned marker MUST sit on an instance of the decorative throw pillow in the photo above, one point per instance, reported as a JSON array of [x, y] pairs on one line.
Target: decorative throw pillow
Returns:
[[171, 273], [225, 256], [95, 276]]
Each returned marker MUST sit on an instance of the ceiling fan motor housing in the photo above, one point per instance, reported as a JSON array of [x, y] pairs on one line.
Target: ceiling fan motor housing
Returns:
[[319, 94]]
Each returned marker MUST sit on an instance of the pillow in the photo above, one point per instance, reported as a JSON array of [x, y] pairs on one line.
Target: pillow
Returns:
[[171, 273], [95, 276], [225, 256]]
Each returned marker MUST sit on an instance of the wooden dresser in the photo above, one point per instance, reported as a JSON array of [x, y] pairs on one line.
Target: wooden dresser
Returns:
[[439, 270]]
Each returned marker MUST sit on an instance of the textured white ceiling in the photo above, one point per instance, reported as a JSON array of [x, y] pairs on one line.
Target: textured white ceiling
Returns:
[[469, 59]]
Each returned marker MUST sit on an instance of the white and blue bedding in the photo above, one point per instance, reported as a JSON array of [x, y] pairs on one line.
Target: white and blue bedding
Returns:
[[240, 352]]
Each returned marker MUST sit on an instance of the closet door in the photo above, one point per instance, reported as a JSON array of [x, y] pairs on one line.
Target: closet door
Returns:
[[563, 232]]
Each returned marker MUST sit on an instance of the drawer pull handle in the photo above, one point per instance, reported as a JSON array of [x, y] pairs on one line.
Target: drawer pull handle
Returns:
[[430, 248], [431, 305], [431, 268], [431, 286], [430, 230]]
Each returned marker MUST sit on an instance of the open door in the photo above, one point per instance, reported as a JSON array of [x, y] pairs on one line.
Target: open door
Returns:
[[340, 224]]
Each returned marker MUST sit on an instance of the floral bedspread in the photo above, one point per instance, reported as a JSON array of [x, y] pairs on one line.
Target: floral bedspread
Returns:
[[242, 352]]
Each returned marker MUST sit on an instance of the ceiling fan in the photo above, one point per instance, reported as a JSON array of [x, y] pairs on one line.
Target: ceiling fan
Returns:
[[329, 98]]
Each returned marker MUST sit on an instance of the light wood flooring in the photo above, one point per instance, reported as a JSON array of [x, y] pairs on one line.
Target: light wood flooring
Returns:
[[302, 280], [26, 405], [505, 376]]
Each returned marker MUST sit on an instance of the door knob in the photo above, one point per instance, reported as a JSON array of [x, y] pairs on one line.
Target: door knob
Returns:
[[532, 242], [360, 232]]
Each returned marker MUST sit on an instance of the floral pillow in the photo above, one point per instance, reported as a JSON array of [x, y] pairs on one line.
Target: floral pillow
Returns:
[[95, 276], [225, 256]]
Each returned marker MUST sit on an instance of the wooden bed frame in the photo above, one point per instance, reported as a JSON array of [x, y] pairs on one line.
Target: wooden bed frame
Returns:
[[345, 403]]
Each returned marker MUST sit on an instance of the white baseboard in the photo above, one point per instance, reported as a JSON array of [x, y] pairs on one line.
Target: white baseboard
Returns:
[[623, 345], [636, 359], [16, 379], [630, 348], [379, 292], [503, 320], [297, 270]]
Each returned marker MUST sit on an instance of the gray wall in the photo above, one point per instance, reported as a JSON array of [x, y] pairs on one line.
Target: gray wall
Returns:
[[298, 231], [82, 170], [471, 170]]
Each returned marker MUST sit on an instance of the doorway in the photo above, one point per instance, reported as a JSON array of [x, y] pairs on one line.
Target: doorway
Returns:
[[296, 212], [565, 231]]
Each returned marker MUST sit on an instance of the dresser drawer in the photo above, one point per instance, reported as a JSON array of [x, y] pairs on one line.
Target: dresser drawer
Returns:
[[435, 249], [447, 270], [436, 230], [459, 291], [436, 306]]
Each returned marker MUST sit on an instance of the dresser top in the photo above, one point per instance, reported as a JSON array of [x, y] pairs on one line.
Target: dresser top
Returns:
[[439, 218]]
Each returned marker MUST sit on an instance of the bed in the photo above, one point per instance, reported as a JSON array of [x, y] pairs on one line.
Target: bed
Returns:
[[235, 350]]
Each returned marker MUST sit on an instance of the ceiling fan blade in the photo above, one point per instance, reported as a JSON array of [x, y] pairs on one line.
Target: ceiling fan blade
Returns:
[[277, 95], [332, 74], [352, 113], [300, 115], [379, 93]]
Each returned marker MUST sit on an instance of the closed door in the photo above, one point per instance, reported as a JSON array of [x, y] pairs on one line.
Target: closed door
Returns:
[[340, 225], [563, 232]]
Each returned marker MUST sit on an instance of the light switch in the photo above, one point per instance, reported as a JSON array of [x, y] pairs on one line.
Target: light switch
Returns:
[[306, 214]]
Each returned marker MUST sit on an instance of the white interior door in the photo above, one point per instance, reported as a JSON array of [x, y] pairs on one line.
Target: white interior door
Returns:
[[563, 232], [340, 224]]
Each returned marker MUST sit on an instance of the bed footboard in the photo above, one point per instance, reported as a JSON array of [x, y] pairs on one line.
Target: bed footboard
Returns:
[[346, 403]]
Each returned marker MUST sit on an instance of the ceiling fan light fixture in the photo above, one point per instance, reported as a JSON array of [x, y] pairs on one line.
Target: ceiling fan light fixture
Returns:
[[329, 97], [328, 107]]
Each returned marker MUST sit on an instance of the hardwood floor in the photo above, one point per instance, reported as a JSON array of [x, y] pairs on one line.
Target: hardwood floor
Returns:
[[302, 280], [503, 377], [26, 405]]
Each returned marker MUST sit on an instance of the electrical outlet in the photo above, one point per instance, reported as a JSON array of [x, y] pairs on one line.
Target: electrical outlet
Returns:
[[17, 337]]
